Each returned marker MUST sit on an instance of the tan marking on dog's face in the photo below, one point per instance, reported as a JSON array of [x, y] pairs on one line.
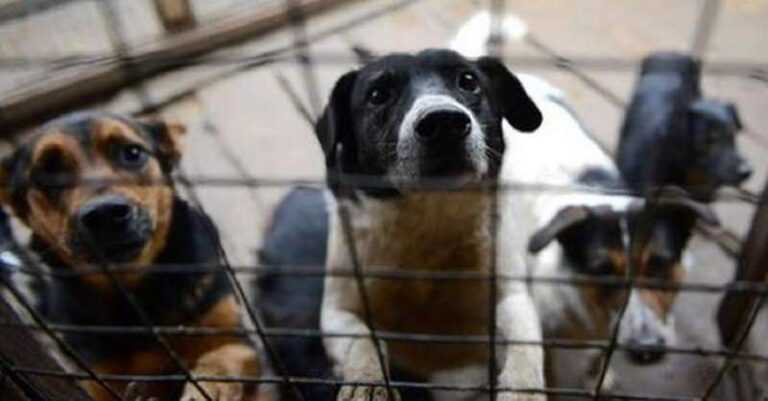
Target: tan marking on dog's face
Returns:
[[659, 300], [95, 172], [602, 300]]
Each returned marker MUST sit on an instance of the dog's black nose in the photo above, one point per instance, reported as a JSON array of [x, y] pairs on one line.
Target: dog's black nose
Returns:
[[444, 125], [106, 217], [646, 350], [745, 171]]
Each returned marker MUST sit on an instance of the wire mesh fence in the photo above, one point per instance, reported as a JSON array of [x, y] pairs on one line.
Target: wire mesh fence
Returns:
[[137, 64]]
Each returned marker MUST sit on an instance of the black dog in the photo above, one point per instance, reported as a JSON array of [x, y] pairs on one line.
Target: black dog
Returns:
[[671, 136], [94, 189]]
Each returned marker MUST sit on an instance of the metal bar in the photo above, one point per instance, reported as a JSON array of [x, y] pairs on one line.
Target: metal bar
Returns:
[[398, 384], [373, 182], [737, 312], [280, 332], [381, 272], [20, 347], [65, 348], [297, 19], [240, 293], [495, 48], [349, 240], [735, 309], [704, 27]]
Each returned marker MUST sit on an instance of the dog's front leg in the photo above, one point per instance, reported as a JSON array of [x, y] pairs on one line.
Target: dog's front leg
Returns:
[[356, 359], [230, 360], [523, 366], [222, 356]]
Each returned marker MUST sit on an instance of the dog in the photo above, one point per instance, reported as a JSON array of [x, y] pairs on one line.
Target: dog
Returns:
[[594, 231], [94, 189], [671, 135], [406, 122]]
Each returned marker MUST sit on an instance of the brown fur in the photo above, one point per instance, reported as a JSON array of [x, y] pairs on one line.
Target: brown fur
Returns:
[[457, 247]]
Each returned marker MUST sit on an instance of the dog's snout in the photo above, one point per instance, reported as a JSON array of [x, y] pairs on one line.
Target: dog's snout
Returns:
[[444, 125], [106, 216], [646, 349], [745, 170]]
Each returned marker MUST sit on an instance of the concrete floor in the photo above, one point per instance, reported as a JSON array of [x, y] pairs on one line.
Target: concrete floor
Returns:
[[243, 123]]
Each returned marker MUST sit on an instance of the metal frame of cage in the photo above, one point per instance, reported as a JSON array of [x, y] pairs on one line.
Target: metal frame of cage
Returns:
[[744, 295]]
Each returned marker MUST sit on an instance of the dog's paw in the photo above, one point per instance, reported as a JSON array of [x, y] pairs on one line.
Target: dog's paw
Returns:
[[216, 391], [135, 392], [367, 393]]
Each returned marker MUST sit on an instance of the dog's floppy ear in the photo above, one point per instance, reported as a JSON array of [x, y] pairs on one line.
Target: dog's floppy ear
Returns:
[[733, 112], [510, 96], [167, 137], [335, 124], [565, 218]]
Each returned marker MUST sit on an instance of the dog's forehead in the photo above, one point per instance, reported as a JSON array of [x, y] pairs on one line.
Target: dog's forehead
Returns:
[[428, 62], [86, 127]]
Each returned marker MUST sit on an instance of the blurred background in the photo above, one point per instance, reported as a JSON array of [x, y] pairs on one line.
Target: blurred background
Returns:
[[247, 76]]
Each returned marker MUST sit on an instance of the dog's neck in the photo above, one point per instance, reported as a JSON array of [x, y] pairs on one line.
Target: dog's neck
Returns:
[[424, 231]]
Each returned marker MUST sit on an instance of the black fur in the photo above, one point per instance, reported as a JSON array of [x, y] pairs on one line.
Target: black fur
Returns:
[[297, 239], [670, 136]]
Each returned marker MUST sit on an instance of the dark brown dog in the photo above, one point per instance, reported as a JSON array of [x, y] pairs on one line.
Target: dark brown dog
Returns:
[[94, 189]]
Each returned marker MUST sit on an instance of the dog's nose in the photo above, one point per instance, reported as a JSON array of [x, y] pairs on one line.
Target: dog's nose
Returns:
[[745, 170], [444, 125], [106, 216], [646, 350]]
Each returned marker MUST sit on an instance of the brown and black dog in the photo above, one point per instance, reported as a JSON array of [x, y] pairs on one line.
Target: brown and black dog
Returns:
[[94, 189]]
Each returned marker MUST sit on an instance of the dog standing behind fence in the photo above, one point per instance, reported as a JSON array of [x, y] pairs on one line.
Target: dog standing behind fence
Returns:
[[673, 136], [405, 122], [94, 188]]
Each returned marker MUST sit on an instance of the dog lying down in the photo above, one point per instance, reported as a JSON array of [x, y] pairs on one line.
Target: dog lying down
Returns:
[[94, 190]]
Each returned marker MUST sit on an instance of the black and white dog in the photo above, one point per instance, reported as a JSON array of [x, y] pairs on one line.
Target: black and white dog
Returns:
[[406, 122], [673, 136]]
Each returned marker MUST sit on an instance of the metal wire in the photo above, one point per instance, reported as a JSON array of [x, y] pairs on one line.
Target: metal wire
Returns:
[[240, 293], [373, 182], [349, 240]]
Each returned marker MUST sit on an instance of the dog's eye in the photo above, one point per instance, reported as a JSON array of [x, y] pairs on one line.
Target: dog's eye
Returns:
[[468, 82], [601, 268], [131, 156], [379, 95], [53, 171]]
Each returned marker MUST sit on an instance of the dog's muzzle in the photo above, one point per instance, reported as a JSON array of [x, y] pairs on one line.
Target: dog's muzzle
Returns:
[[111, 228]]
